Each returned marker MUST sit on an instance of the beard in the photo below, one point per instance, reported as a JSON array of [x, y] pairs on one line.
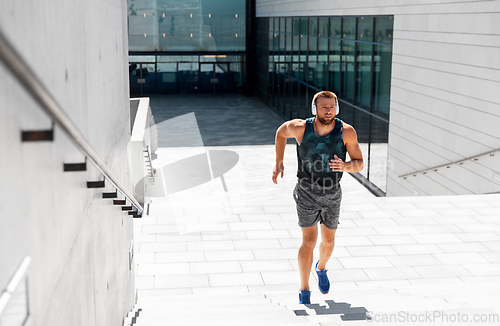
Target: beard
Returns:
[[326, 121]]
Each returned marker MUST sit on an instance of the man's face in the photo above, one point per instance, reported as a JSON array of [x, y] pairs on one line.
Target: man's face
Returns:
[[325, 110]]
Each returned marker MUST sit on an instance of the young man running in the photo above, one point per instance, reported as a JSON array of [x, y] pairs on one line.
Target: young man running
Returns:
[[322, 144]]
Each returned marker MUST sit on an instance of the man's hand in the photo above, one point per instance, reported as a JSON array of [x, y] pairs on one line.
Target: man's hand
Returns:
[[337, 165], [278, 169]]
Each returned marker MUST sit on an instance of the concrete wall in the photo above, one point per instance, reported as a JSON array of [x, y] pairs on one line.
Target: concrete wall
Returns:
[[78, 241], [444, 89]]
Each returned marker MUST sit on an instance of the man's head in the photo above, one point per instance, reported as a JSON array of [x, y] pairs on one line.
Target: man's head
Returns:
[[325, 106]]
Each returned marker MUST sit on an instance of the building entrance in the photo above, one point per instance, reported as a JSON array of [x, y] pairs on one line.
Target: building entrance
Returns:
[[214, 77]]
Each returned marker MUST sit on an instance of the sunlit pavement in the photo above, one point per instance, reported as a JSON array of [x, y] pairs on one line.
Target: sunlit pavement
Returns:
[[225, 251]]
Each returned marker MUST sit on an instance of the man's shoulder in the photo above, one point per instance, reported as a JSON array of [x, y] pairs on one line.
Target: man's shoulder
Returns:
[[348, 130], [298, 123]]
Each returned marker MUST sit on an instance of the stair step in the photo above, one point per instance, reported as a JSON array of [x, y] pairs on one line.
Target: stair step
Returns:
[[120, 202], [73, 167], [37, 135], [95, 184], [110, 194], [218, 316], [126, 208]]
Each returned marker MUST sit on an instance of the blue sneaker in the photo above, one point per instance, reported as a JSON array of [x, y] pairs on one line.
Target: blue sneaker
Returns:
[[304, 297], [323, 282]]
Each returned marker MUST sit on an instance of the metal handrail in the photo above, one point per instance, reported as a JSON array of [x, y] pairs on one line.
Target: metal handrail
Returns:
[[13, 62], [434, 168]]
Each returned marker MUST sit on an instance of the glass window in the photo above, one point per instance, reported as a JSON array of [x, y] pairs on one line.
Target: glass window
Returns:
[[334, 61], [382, 80], [349, 28], [141, 58], [383, 29], [347, 66], [322, 67], [282, 25], [313, 26], [335, 27], [304, 23], [363, 74], [312, 60], [296, 25], [166, 25], [289, 25], [365, 29], [288, 49], [323, 26]]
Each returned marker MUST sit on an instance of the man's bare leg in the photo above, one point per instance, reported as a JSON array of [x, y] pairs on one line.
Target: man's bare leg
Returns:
[[309, 238], [326, 246]]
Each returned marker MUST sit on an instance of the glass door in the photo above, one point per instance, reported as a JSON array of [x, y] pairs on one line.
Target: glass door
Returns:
[[142, 78], [215, 77]]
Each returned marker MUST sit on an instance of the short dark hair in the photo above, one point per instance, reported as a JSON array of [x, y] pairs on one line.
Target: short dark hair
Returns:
[[326, 94]]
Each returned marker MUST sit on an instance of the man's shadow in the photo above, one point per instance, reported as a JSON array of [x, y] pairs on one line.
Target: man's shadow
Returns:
[[334, 308]]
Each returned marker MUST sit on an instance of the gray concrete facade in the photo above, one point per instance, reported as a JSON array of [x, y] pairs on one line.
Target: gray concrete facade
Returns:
[[78, 242], [445, 78]]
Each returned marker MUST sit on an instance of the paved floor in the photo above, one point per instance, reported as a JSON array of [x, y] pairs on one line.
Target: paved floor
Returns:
[[230, 243]]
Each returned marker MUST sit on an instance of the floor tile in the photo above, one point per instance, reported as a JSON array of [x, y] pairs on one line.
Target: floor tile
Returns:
[[436, 238], [235, 279], [228, 255], [442, 271], [266, 266], [418, 249], [215, 267], [179, 257], [461, 258], [268, 234], [163, 269], [365, 251], [365, 262], [413, 260], [257, 244], [391, 273], [210, 245], [181, 281], [392, 239]]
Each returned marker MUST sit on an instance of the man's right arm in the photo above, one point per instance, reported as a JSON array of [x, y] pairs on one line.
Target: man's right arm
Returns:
[[289, 129]]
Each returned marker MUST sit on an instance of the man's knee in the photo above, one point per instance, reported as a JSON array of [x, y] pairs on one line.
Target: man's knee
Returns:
[[330, 242], [309, 242]]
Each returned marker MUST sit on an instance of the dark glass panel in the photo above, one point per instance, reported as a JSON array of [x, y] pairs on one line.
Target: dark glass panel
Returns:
[[296, 25], [364, 74], [322, 66], [289, 27], [382, 80], [347, 66], [323, 26], [349, 28], [365, 29], [304, 25], [384, 29], [334, 70], [335, 27], [313, 26]]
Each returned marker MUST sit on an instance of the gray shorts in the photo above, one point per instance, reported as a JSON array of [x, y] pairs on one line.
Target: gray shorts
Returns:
[[316, 205]]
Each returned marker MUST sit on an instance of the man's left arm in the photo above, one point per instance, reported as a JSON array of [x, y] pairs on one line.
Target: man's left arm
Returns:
[[354, 150]]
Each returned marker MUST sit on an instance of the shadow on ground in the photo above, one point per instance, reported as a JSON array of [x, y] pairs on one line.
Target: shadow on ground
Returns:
[[337, 308], [223, 120]]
